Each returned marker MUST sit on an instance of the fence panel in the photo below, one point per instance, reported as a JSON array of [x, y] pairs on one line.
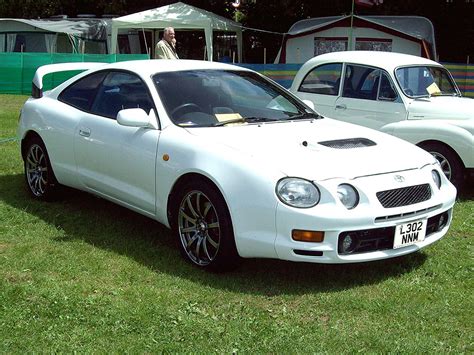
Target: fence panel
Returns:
[[17, 69], [464, 76]]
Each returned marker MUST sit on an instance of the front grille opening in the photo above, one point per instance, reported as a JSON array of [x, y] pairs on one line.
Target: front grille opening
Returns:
[[350, 143], [394, 217], [382, 238], [404, 196]]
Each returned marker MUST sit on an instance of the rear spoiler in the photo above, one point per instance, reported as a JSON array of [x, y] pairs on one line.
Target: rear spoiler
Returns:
[[41, 72]]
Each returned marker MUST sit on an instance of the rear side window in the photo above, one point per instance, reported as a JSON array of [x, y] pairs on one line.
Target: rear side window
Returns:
[[361, 82], [324, 80], [121, 90], [82, 93]]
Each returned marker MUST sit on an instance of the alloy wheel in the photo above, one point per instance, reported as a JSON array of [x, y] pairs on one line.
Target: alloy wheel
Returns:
[[36, 166], [199, 228]]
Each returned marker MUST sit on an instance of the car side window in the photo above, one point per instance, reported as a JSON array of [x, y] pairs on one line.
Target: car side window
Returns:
[[361, 82], [324, 80], [81, 94], [121, 90], [387, 91]]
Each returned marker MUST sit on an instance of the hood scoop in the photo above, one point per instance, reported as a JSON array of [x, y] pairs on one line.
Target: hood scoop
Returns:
[[349, 143]]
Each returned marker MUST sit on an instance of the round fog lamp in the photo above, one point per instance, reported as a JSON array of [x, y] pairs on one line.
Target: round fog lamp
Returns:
[[348, 244], [443, 220]]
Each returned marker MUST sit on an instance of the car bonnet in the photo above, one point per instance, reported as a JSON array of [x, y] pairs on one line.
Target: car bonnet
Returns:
[[319, 149]]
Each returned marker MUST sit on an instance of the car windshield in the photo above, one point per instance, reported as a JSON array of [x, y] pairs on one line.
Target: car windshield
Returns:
[[422, 81], [203, 98]]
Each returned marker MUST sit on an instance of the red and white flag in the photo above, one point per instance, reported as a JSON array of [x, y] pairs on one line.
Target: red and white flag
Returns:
[[368, 3]]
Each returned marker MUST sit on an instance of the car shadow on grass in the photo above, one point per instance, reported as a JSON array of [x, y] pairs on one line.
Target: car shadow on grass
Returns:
[[105, 225]]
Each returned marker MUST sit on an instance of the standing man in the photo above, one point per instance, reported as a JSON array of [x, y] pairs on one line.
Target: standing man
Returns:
[[166, 48]]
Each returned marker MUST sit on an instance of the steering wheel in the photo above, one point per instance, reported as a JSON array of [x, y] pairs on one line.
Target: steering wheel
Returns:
[[186, 107], [409, 92]]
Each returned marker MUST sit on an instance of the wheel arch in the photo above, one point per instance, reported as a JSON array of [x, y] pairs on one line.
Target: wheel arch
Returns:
[[180, 182], [425, 143], [27, 137]]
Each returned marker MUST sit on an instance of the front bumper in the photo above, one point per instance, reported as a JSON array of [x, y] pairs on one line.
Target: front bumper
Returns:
[[371, 223]]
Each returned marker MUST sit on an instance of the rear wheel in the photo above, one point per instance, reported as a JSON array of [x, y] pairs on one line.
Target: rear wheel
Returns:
[[449, 161], [203, 227], [39, 175]]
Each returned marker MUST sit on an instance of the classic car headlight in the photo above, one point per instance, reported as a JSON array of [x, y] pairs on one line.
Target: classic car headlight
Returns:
[[348, 195], [297, 192], [436, 178]]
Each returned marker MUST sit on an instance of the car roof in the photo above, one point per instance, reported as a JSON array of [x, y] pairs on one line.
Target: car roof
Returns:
[[153, 66], [386, 60]]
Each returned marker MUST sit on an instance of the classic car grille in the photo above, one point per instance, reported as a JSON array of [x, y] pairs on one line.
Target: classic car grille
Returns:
[[404, 196], [348, 143]]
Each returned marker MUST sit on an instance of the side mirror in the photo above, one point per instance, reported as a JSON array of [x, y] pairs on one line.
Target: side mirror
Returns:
[[133, 117], [309, 103]]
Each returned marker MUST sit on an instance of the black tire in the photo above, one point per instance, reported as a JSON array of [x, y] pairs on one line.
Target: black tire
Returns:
[[449, 161], [203, 228], [39, 175]]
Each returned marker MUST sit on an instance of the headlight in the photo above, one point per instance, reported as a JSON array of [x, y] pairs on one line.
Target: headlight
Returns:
[[297, 192], [348, 195], [436, 178]]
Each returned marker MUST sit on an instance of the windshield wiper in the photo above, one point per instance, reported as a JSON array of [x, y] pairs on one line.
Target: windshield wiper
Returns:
[[429, 96], [445, 94], [306, 115], [245, 120]]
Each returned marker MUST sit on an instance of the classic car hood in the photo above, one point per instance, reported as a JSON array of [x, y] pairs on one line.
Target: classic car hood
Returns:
[[442, 107], [318, 150]]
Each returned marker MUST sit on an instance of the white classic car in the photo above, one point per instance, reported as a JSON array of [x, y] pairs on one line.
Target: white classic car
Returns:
[[234, 164], [410, 97]]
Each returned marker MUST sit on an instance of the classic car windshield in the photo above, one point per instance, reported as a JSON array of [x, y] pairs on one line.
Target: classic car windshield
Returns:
[[420, 81], [219, 97]]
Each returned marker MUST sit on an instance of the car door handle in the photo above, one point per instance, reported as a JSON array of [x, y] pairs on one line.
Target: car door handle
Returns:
[[85, 132], [341, 107]]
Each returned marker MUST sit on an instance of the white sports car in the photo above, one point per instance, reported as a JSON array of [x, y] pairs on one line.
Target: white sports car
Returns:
[[236, 165]]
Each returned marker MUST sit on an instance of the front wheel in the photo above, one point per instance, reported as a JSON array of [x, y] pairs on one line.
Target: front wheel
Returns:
[[39, 174], [449, 161], [203, 227]]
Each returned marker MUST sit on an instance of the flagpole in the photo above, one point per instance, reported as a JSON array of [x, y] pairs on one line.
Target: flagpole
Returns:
[[352, 24]]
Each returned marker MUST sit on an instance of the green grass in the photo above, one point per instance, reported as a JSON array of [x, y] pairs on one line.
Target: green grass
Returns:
[[82, 274]]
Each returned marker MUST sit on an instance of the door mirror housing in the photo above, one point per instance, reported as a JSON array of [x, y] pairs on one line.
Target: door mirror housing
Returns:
[[133, 117]]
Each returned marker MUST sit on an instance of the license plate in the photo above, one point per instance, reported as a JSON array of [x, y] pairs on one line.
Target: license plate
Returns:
[[409, 233]]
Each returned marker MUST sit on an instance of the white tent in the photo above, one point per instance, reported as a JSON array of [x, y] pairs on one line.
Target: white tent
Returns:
[[50, 35], [405, 34], [179, 16]]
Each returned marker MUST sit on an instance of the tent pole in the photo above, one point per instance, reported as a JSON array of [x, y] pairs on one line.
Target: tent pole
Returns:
[[351, 29], [146, 44]]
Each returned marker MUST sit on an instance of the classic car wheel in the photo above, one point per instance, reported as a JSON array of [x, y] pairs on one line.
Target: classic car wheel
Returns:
[[39, 175], [450, 163], [204, 229]]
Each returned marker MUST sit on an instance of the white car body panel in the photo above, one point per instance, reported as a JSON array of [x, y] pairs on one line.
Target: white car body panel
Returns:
[[117, 161], [137, 167]]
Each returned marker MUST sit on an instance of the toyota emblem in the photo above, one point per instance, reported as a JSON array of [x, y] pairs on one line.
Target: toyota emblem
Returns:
[[399, 178]]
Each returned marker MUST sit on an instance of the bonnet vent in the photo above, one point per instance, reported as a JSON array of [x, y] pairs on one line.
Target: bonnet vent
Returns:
[[348, 143]]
